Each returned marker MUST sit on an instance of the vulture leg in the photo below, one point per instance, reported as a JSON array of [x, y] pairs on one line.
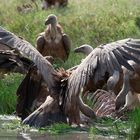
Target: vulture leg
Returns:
[[120, 99]]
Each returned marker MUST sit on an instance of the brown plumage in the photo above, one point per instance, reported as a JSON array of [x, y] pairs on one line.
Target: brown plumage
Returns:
[[56, 3], [53, 41], [32, 92], [99, 65], [13, 61], [128, 96]]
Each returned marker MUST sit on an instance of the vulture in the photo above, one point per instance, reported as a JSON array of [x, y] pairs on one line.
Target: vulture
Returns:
[[127, 83], [53, 41], [98, 66], [56, 3], [25, 8]]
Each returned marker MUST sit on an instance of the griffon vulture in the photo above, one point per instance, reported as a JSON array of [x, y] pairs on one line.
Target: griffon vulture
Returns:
[[53, 41], [56, 3], [98, 66], [126, 83]]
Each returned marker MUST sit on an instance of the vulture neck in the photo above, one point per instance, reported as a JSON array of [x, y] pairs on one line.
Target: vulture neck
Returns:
[[53, 31]]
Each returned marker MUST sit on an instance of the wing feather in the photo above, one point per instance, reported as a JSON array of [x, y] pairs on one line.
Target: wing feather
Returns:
[[26, 48], [129, 57], [130, 49], [134, 43], [122, 60], [114, 55]]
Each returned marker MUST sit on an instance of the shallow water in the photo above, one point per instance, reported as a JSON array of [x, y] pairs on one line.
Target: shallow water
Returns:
[[17, 132], [71, 136]]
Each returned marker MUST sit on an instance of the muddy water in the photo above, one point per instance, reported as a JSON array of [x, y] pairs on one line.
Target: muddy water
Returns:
[[16, 132]]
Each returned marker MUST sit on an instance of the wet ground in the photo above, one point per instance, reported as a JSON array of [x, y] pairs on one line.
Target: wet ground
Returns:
[[12, 129]]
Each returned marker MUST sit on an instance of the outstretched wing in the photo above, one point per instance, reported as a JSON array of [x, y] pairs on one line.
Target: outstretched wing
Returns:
[[103, 59], [13, 61], [26, 48]]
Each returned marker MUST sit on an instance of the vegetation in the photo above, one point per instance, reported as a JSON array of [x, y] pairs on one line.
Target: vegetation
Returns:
[[86, 22], [8, 87]]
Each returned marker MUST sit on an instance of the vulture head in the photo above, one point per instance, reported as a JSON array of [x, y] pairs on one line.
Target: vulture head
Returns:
[[85, 49], [51, 19]]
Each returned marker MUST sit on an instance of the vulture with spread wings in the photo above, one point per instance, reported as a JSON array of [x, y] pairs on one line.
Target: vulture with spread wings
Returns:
[[57, 3], [53, 41], [98, 66], [96, 69]]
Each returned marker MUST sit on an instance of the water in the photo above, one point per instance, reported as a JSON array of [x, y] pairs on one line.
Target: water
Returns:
[[11, 129]]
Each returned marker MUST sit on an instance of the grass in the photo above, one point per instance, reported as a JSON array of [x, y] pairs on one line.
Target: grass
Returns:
[[8, 87], [90, 22], [135, 126]]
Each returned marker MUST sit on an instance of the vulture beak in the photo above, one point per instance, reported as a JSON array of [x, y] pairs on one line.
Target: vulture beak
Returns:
[[76, 50], [47, 21], [51, 19]]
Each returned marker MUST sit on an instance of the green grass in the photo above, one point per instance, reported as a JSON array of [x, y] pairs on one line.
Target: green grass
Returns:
[[8, 87], [135, 125]]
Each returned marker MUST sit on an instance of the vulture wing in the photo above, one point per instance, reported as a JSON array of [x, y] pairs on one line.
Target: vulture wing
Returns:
[[103, 59], [13, 61], [67, 44], [26, 48], [40, 43]]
